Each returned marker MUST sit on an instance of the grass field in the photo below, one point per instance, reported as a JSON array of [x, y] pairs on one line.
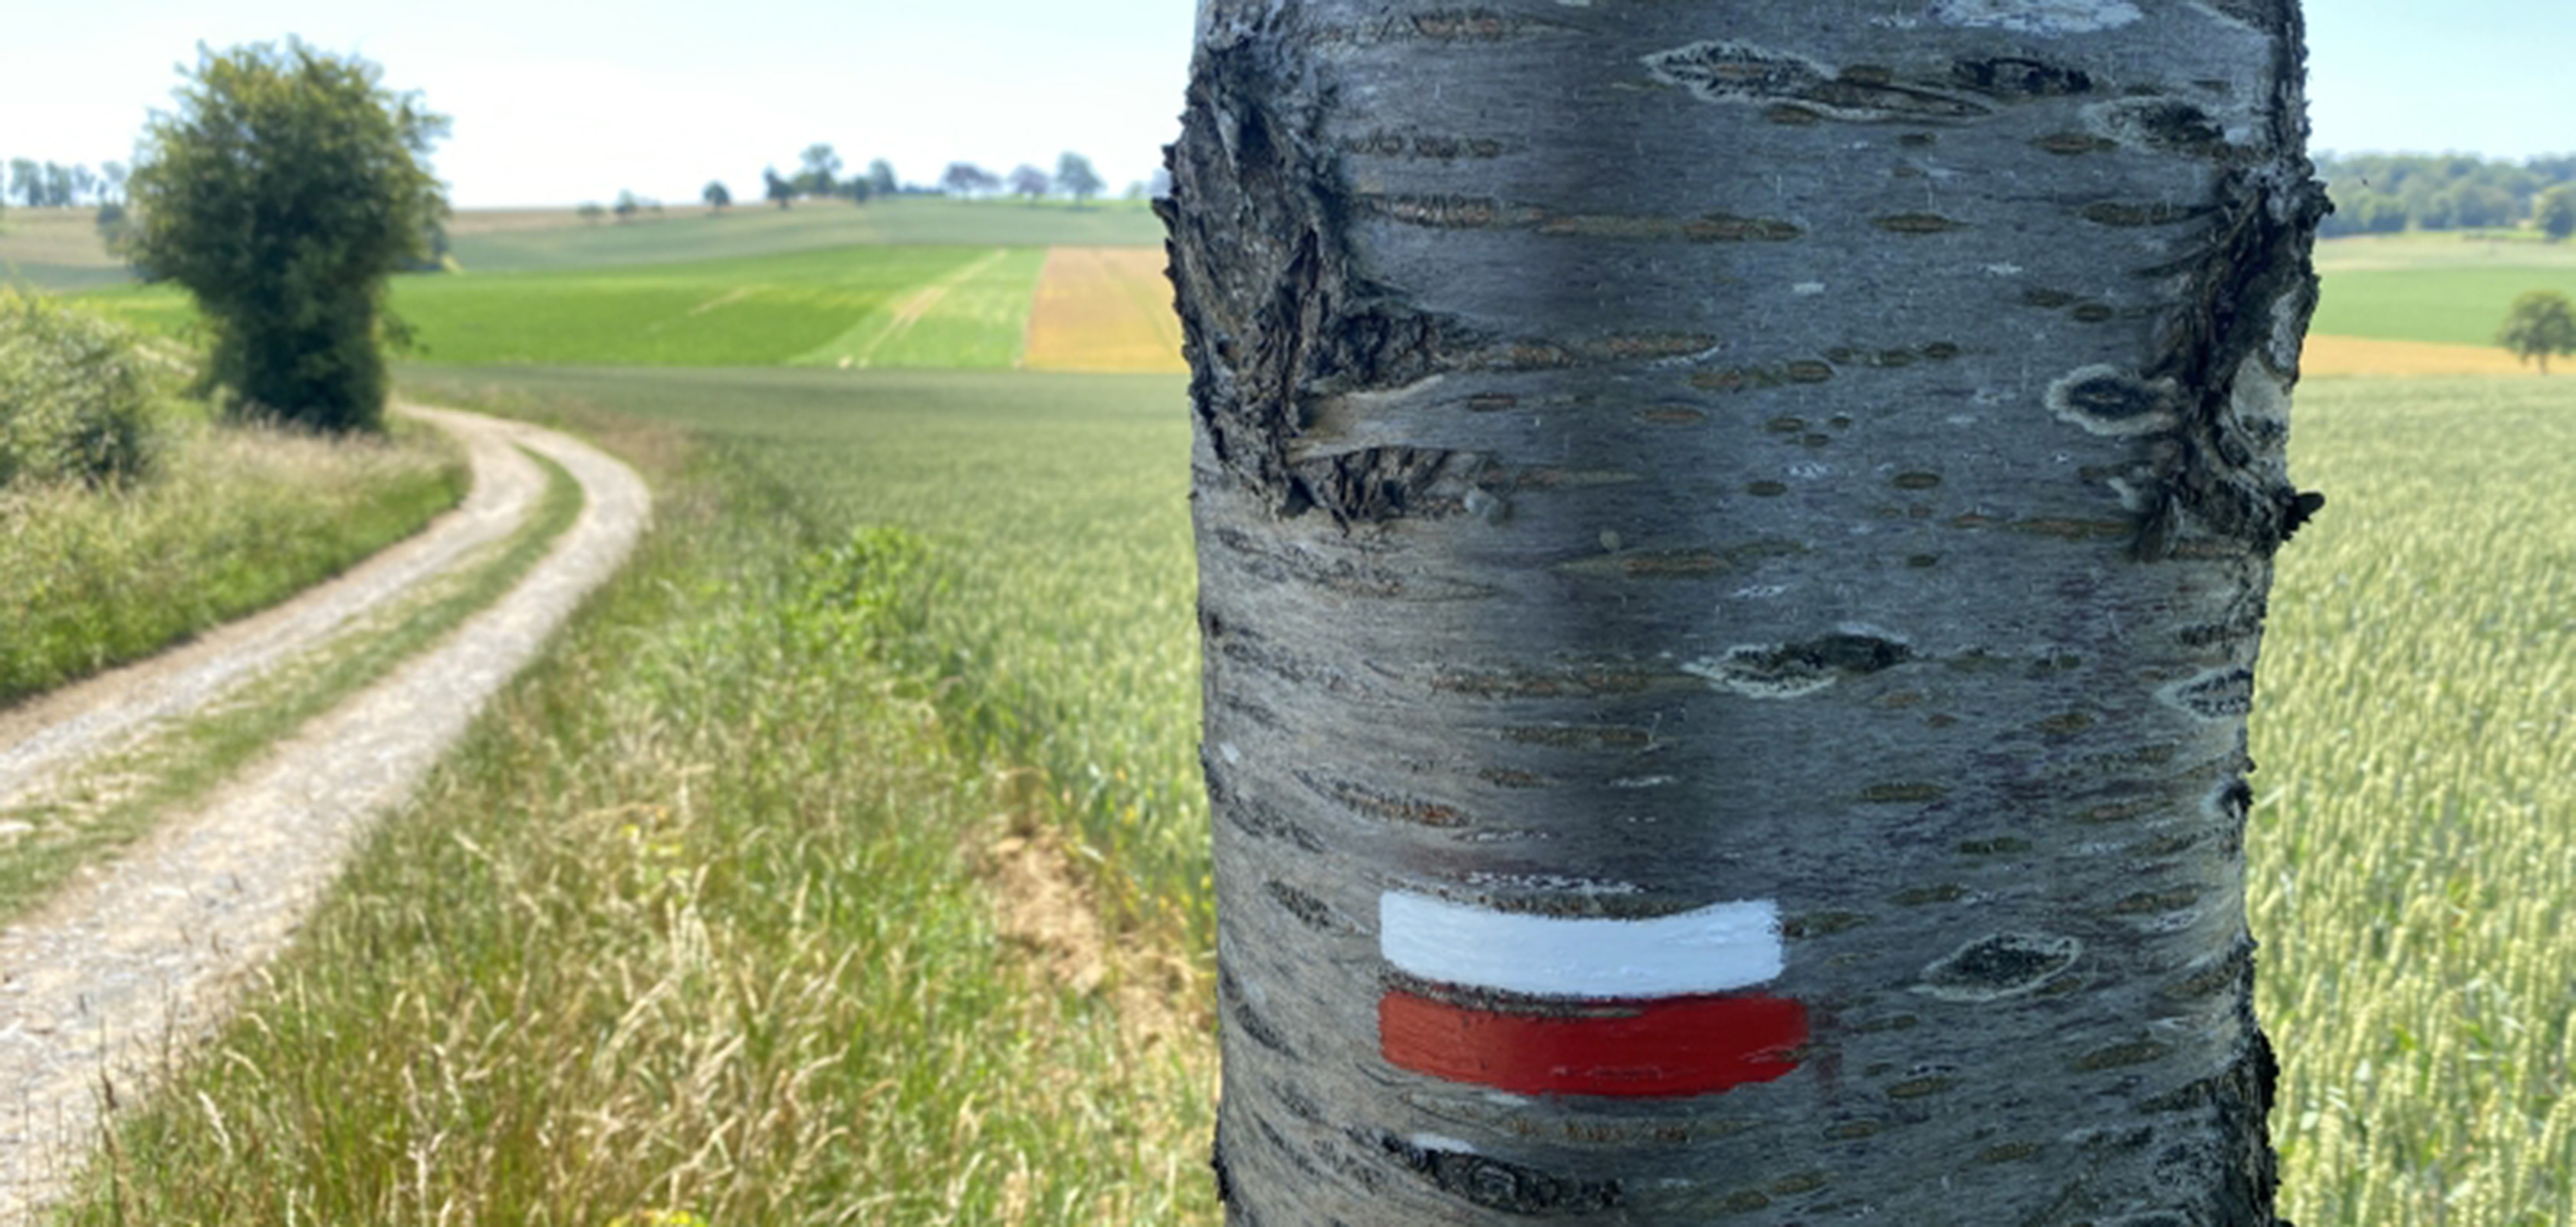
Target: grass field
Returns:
[[60, 249], [880, 306], [2441, 288], [56, 249], [760, 230], [970, 308]]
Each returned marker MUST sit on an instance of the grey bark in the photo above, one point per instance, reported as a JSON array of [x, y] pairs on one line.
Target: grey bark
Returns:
[[1816, 450]]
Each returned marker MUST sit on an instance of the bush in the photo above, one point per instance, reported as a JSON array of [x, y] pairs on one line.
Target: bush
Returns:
[[76, 399]]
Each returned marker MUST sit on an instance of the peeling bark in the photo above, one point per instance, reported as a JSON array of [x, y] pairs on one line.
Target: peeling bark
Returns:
[[1666, 463]]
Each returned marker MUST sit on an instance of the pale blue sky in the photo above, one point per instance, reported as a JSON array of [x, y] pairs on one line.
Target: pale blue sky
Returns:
[[556, 104]]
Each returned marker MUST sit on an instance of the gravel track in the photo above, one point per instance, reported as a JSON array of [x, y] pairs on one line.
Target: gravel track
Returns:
[[150, 949]]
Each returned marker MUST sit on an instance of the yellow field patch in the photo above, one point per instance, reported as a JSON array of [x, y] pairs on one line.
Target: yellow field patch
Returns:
[[2330, 355], [1104, 309]]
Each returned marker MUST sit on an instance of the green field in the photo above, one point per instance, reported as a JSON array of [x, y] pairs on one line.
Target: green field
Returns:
[[958, 307], [2412, 877], [2454, 306], [759, 230], [60, 249], [2446, 288], [761, 311]]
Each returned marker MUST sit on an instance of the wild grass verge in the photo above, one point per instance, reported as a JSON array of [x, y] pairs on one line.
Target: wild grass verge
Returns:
[[239, 519], [699, 921], [113, 802]]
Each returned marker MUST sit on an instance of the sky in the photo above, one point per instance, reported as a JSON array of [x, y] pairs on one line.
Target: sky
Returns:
[[556, 103]]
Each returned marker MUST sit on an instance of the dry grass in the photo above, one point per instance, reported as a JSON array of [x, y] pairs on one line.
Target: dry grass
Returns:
[[1104, 309], [2329, 356]]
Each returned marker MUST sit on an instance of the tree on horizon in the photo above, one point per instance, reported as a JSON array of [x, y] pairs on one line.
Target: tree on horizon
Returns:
[[1075, 177]]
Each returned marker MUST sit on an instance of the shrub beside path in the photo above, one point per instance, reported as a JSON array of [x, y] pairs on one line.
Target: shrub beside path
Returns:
[[99, 983]]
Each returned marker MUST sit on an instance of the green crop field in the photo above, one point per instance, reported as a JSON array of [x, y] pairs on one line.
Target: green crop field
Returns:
[[2447, 288], [60, 249], [760, 230], [2412, 878], [908, 306], [2455, 306]]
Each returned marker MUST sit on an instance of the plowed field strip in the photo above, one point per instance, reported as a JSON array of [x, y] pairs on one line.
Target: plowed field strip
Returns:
[[1104, 309], [2333, 355]]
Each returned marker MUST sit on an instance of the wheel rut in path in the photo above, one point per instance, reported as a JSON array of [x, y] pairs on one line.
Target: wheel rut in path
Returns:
[[154, 946]]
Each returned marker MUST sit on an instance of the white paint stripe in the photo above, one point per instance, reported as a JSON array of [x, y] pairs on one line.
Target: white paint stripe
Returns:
[[1714, 949]]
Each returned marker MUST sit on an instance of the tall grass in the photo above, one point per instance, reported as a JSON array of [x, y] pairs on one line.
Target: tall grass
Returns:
[[2413, 878], [1057, 508], [694, 925], [240, 518]]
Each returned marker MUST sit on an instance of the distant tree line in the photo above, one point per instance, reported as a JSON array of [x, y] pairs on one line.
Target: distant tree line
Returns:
[[40, 185], [1073, 177], [2382, 193], [818, 177]]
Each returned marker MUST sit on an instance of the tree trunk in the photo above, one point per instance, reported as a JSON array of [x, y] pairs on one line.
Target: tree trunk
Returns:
[[1733, 539]]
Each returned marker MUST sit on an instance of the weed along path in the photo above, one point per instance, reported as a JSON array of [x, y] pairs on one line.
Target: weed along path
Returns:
[[100, 981]]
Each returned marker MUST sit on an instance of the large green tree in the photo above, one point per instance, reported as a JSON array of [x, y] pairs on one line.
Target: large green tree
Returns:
[[2539, 324], [1732, 542], [283, 193]]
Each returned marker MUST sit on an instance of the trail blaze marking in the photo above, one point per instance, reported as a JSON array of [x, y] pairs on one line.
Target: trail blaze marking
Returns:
[[1540, 1005]]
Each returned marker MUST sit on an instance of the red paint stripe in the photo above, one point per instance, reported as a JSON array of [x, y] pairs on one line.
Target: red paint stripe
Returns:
[[1665, 1047]]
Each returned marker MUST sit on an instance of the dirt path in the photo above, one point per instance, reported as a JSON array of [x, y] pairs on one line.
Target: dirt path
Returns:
[[152, 947]]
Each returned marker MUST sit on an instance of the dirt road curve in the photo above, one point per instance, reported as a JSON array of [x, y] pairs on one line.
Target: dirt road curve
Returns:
[[155, 944]]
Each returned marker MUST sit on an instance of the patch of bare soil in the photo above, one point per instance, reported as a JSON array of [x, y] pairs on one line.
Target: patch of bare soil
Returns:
[[1045, 906]]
